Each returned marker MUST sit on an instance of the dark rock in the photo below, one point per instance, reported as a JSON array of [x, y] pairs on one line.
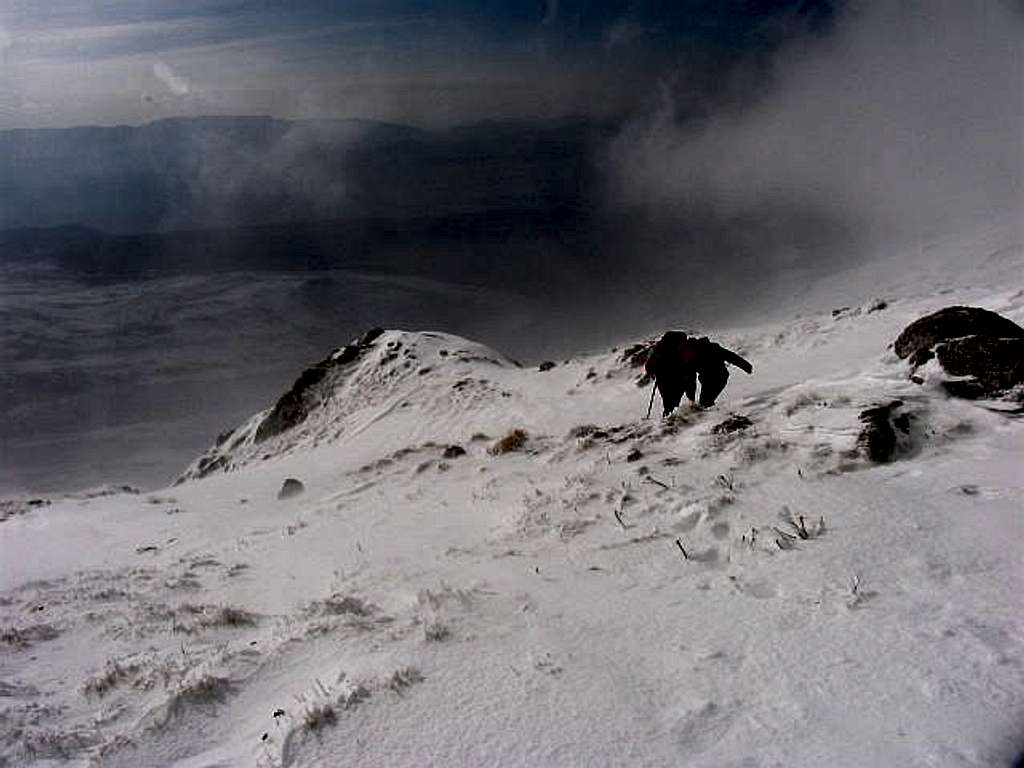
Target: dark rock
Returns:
[[369, 337], [297, 403], [290, 488], [954, 323], [877, 439], [636, 355], [547, 365], [732, 424], [634, 455], [984, 349], [921, 356], [877, 306], [996, 364], [293, 406], [453, 452], [209, 464], [10, 508]]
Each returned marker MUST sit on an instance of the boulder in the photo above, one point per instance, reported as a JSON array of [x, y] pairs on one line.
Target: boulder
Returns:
[[453, 452], [992, 365], [983, 349], [291, 487], [878, 439], [953, 323]]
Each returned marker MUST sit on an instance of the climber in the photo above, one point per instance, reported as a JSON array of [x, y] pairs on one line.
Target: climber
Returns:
[[676, 362]]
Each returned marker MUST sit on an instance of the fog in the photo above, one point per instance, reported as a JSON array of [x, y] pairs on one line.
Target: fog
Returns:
[[903, 124]]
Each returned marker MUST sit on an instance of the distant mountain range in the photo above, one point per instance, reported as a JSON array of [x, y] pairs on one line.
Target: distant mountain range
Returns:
[[214, 172], [519, 207], [524, 248]]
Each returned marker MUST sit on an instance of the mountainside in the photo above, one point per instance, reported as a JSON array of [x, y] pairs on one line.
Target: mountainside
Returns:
[[483, 563]]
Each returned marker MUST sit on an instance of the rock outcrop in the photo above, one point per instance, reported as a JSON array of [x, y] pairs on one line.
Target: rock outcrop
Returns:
[[880, 429], [296, 404], [982, 349]]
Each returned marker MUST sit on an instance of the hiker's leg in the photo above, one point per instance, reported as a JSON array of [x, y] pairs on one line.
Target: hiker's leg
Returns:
[[711, 385], [671, 394], [690, 387]]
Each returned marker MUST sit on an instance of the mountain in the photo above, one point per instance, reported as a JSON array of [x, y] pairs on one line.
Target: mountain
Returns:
[[213, 172], [422, 552]]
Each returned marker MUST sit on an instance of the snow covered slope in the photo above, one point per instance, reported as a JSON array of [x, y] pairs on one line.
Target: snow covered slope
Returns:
[[612, 591]]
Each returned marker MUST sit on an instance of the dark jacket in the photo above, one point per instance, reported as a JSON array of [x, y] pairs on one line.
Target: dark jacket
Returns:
[[677, 355], [677, 360]]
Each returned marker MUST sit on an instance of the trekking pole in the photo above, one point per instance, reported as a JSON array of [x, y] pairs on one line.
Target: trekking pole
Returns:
[[651, 404]]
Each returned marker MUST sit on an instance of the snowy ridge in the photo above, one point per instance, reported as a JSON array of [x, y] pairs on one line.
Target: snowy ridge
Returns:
[[732, 587], [351, 389]]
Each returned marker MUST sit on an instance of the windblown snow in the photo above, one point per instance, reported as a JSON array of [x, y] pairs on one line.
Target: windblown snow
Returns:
[[491, 564]]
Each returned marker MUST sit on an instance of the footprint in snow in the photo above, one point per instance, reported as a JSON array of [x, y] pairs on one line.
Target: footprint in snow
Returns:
[[762, 590], [697, 729]]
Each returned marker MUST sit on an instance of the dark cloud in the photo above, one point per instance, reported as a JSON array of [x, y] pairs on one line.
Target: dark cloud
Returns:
[[904, 122], [77, 61]]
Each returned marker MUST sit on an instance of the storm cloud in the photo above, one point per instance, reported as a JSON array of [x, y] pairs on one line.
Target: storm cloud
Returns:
[[901, 124]]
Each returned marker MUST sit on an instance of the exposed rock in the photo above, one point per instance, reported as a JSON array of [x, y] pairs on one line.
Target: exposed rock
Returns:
[[954, 323], [635, 455], [734, 423], [290, 488], [636, 355], [13, 507], [547, 365], [878, 435], [453, 452], [984, 349], [105, 490], [296, 404], [994, 365]]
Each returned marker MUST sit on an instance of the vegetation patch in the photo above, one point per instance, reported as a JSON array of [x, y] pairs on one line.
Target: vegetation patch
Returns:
[[512, 442]]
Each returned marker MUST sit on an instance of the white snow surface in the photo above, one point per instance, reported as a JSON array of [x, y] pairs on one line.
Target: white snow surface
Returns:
[[534, 608]]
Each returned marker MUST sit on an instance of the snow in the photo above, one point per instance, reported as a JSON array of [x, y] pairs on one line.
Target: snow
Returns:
[[493, 609]]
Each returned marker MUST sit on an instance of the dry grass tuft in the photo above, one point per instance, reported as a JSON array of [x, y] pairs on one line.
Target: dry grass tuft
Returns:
[[404, 678], [510, 443], [319, 715], [436, 631], [340, 605], [229, 616], [113, 675]]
